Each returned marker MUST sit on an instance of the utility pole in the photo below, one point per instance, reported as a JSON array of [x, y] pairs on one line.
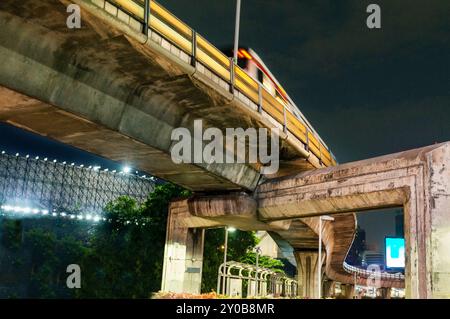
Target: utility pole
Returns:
[[236, 31]]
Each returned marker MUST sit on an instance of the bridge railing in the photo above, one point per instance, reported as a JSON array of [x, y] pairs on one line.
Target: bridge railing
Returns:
[[367, 273], [177, 37]]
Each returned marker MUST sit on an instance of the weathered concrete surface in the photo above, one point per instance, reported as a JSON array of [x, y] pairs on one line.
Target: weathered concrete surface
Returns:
[[183, 253], [108, 89], [418, 180], [307, 271]]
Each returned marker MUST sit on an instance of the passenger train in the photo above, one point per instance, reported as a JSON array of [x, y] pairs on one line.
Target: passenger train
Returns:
[[253, 65]]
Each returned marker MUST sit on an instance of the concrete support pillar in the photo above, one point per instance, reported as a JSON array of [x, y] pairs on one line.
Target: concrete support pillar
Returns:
[[348, 291], [307, 267], [183, 253], [384, 293], [328, 288]]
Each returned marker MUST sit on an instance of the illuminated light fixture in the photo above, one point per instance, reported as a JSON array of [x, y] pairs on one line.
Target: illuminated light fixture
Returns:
[[80, 217], [231, 229], [54, 214], [35, 211], [27, 210], [114, 171], [88, 217], [81, 165], [28, 156], [63, 214], [126, 169], [72, 216], [73, 164], [96, 218], [37, 157], [246, 54], [54, 161], [44, 212], [106, 169], [46, 159], [17, 154], [3, 152], [96, 168]]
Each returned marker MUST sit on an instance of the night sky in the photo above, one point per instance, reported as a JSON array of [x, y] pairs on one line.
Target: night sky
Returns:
[[367, 92]]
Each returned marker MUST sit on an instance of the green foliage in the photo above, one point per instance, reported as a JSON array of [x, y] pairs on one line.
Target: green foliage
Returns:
[[263, 262], [239, 242], [11, 233], [125, 259], [121, 258], [50, 256]]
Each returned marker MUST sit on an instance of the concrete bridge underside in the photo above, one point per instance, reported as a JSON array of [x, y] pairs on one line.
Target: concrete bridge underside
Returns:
[[107, 89], [417, 180]]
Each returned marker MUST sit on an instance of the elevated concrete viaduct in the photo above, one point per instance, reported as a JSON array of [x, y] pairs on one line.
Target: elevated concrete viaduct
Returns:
[[417, 180], [117, 89]]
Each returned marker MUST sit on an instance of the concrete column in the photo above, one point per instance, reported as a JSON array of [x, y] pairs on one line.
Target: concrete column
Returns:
[[348, 291], [328, 288], [384, 293], [183, 253], [307, 264]]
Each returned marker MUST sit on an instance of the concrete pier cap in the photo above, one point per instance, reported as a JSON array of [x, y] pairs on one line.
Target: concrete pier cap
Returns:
[[417, 180]]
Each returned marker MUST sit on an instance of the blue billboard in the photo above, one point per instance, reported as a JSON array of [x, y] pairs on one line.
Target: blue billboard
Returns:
[[395, 252]]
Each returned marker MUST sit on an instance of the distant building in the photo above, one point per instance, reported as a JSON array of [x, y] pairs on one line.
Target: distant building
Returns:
[[270, 249], [354, 256], [268, 246], [399, 225]]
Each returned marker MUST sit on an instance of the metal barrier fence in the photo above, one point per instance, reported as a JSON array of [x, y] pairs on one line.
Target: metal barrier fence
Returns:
[[234, 277], [177, 37], [55, 186]]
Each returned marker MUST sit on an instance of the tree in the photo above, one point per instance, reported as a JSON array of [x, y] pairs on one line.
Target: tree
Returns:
[[239, 243], [126, 256]]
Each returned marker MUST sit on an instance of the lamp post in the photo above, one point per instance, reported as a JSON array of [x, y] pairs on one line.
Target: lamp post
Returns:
[[258, 251], [319, 272], [236, 31], [225, 250]]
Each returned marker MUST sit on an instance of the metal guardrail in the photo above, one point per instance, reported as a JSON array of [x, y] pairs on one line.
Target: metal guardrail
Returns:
[[261, 282], [163, 27], [366, 273]]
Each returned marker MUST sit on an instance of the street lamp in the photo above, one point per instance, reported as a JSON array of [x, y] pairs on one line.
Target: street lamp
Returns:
[[236, 31], [258, 251], [319, 273], [225, 250]]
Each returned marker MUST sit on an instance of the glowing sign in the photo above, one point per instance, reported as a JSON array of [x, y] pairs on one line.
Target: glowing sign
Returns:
[[395, 252]]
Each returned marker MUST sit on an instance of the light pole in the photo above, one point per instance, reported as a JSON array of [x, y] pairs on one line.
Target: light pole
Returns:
[[258, 251], [236, 31], [225, 250], [319, 272]]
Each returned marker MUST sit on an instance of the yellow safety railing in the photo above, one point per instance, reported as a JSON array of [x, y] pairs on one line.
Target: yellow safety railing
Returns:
[[182, 36]]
